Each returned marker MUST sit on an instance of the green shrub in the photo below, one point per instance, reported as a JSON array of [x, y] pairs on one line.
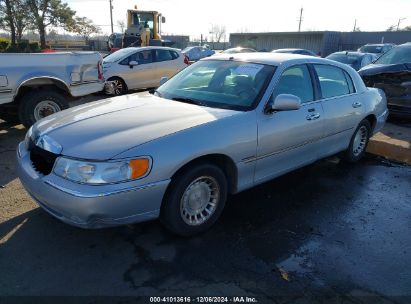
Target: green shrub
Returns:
[[23, 46], [4, 43], [12, 49], [34, 47]]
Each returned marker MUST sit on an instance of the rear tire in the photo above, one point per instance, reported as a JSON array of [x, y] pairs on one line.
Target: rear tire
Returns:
[[36, 105], [359, 142], [195, 200]]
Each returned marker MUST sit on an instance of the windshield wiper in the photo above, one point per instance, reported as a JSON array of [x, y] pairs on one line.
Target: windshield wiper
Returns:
[[189, 100]]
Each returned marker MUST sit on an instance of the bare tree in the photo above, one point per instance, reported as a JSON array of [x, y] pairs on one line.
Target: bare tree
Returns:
[[218, 33], [122, 25]]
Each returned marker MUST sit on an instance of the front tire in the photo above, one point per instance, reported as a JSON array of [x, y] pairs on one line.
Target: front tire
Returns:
[[359, 142], [195, 200], [36, 105]]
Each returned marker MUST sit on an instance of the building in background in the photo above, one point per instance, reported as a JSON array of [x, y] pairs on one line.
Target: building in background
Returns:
[[323, 43]]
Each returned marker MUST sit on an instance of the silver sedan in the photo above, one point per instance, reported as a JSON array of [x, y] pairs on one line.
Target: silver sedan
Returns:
[[221, 126]]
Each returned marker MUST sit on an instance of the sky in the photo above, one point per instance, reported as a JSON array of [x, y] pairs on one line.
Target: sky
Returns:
[[196, 17]]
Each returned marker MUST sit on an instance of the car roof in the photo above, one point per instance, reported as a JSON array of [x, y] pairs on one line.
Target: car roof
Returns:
[[152, 48], [289, 50], [350, 53], [274, 59], [378, 44]]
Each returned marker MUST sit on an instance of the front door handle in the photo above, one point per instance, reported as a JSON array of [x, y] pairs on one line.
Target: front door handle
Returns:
[[313, 116], [357, 104]]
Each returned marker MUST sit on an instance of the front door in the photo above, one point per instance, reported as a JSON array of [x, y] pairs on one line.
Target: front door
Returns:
[[139, 76], [290, 139]]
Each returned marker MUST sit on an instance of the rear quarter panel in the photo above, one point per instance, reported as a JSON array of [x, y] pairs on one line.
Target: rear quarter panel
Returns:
[[20, 68]]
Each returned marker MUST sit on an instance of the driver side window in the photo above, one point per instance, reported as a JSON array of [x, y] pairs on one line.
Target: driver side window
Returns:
[[296, 80], [142, 57], [129, 59]]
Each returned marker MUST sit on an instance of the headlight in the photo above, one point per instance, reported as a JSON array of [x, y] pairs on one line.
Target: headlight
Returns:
[[102, 172]]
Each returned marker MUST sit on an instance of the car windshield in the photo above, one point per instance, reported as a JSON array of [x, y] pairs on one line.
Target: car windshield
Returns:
[[188, 49], [219, 84], [347, 59], [396, 55], [375, 49], [120, 54]]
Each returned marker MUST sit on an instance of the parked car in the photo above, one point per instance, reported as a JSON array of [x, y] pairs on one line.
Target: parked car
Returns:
[[377, 48], [195, 53], [356, 60], [238, 50], [392, 73], [296, 51], [33, 86], [219, 127], [140, 68]]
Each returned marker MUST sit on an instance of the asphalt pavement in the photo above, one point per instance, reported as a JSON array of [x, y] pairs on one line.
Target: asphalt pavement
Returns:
[[325, 231]]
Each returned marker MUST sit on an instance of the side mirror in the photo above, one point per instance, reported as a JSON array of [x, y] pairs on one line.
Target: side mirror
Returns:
[[133, 64], [163, 80], [285, 102], [163, 19]]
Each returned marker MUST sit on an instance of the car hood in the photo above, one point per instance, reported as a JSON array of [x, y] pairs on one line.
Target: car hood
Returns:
[[103, 129], [375, 69], [393, 79]]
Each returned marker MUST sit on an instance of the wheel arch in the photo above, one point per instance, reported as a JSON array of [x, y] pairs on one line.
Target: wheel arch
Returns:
[[224, 162], [37, 82], [372, 119]]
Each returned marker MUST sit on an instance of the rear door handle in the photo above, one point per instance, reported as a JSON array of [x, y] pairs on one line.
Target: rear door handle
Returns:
[[313, 116], [356, 104]]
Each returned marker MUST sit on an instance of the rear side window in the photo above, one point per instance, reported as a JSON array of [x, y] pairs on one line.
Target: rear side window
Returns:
[[163, 55], [350, 82], [296, 80], [333, 81]]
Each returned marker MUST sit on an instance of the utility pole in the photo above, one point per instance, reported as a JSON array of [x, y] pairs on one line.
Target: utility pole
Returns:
[[355, 25], [399, 22], [111, 15], [300, 20]]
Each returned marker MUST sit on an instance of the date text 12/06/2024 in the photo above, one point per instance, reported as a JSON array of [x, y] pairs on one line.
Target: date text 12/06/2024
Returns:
[[203, 300]]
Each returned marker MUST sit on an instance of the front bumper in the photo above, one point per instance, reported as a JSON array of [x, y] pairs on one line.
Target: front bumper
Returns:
[[86, 88], [88, 206]]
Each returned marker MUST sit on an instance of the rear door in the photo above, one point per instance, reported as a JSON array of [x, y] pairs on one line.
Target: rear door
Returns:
[[290, 139], [342, 106], [166, 65]]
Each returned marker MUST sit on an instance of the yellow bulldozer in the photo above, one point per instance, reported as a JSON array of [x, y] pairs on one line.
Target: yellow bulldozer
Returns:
[[143, 28]]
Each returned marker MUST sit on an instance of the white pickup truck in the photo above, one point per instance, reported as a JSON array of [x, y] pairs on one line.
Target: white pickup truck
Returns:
[[37, 85]]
